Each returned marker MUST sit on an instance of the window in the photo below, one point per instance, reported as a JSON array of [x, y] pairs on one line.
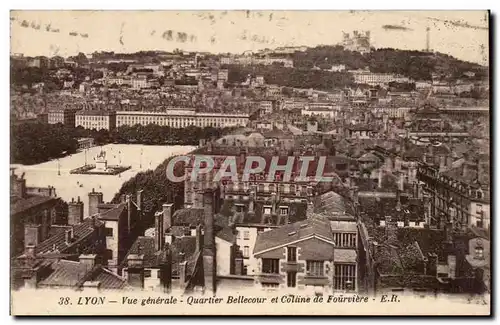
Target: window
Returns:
[[315, 268], [240, 208], [292, 254], [291, 279], [283, 211], [147, 273], [270, 285], [108, 232], [344, 239], [246, 253], [479, 251], [238, 234], [267, 210], [246, 234], [270, 265], [344, 277]]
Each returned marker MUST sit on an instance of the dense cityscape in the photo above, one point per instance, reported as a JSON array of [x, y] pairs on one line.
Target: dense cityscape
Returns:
[[405, 135]]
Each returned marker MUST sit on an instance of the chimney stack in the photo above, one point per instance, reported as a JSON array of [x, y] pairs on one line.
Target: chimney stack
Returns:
[[75, 212], [209, 264], [32, 235], [95, 198], [182, 272], [159, 231], [89, 260], [135, 270], [128, 200], [168, 213], [68, 236]]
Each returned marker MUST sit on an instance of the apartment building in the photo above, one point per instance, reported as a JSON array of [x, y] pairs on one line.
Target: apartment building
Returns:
[[99, 120], [63, 116], [317, 254], [181, 118]]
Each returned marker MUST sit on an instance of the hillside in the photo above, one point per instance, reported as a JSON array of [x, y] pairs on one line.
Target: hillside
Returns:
[[414, 64]]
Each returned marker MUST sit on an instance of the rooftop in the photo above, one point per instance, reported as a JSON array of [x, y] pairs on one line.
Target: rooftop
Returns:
[[19, 205], [315, 226]]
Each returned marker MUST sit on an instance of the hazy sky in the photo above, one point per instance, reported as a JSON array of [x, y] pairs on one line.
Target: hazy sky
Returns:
[[463, 34]]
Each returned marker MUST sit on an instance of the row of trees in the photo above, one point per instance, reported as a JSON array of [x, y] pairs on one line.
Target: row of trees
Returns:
[[33, 143]]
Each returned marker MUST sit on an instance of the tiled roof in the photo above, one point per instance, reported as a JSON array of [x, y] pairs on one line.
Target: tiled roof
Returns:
[[145, 246], [58, 243], [66, 273], [182, 249], [226, 234], [113, 213], [333, 203], [107, 279], [314, 226], [75, 274], [19, 205]]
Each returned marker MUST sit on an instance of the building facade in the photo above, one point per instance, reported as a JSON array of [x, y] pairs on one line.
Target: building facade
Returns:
[[63, 116], [181, 118], [99, 120]]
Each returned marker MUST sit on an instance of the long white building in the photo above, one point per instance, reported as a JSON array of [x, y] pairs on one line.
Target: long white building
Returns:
[[180, 118]]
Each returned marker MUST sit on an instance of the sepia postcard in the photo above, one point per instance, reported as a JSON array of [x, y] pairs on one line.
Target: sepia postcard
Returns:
[[250, 163]]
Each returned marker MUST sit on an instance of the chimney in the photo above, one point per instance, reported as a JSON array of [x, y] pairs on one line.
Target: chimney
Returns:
[[238, 265], [128, 200], [95, 198], [139, 199], [32, 235], [182, 272], [68, 236], [75, 212], [89, 260], [380, 177], [209, 235], [199, 239], [18, 185], [168, 213], [159, 231], [209, 263], [166, 270], [29, 251], [135, 270], [91, 286]]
